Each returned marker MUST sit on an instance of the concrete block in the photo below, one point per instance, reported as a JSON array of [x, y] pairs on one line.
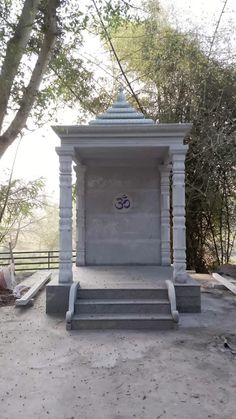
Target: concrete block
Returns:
[[57, 298], [184, 290], [189, 308], [188, 297]]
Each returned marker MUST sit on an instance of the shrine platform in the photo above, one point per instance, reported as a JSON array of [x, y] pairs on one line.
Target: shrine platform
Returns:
[[99, 278]]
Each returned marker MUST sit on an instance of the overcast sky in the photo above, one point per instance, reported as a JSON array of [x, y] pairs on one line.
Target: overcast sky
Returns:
[[37, 156]]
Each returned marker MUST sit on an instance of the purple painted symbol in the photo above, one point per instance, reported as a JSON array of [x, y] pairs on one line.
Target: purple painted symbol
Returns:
[[122, 202]]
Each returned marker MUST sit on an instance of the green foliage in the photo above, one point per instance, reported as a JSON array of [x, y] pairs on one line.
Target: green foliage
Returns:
[[109, 14], [44, 234], [211, 200], [178, 81], [67, 78], [60, 73], [18, 202]]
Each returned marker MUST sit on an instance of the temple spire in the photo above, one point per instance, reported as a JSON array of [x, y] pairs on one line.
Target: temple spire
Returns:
[[121, 113]]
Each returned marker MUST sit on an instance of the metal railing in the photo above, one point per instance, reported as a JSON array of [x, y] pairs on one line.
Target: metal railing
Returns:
[[33, 261]]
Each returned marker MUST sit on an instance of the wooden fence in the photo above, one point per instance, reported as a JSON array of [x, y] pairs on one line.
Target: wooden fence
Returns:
[[33, 261]]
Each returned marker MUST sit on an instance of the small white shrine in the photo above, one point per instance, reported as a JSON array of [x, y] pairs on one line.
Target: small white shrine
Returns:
[[123, 163]]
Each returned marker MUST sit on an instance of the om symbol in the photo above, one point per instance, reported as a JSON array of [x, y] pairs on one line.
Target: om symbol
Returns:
[[122, 202]]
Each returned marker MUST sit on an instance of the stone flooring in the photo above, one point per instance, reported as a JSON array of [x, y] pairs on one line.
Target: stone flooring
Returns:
[[122, 276]]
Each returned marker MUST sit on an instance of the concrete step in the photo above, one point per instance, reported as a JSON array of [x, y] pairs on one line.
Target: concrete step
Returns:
[[123, 321], [122, 293], [125, 306]]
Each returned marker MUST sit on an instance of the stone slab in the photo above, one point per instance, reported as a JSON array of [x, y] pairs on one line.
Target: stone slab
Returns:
[[114, 236], [225, 282], [156, 322], [40, 278], [122, 276]]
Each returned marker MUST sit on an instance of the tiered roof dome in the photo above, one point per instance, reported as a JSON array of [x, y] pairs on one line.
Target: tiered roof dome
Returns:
[[121, 113]]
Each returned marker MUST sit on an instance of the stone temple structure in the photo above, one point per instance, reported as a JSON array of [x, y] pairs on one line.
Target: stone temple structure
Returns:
[[123, 163]]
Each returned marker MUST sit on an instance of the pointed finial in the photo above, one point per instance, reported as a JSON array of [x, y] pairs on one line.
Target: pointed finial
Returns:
[[121, 113], [121, 96]]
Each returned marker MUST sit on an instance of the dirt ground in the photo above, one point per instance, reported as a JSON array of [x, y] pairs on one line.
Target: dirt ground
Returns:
[[6, 296], [47, 372]]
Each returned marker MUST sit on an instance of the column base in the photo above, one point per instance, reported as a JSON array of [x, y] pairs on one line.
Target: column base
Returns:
[[180, 278], [57, 297], [188, 297], [179, 272]]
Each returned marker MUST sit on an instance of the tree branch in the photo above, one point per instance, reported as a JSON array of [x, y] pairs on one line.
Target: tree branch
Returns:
[[14, 52], [8, 192], [117, 58], [31, 90]]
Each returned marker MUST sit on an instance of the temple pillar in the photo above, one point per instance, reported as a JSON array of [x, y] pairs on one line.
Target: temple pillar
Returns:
[[165, 215], [178, 204], [65, 214], [80, 215]]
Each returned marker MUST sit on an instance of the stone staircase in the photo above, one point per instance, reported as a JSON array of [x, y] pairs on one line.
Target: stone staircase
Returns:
[[120, 308]]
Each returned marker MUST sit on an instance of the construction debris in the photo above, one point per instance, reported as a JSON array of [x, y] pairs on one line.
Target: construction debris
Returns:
[[39, 279], [7, 277], [225, 282], [227, 346]]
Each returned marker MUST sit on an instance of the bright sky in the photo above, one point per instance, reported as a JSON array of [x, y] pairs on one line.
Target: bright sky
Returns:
[[37, 157]]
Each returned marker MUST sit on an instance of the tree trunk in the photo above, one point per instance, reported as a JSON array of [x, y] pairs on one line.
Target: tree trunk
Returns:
[[14, 52], [31, 90]]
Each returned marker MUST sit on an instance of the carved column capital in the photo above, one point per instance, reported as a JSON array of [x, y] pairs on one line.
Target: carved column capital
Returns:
[[178, 153], [65, 151]]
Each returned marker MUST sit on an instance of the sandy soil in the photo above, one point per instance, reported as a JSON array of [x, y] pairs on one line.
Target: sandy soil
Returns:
[[47, 372]]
